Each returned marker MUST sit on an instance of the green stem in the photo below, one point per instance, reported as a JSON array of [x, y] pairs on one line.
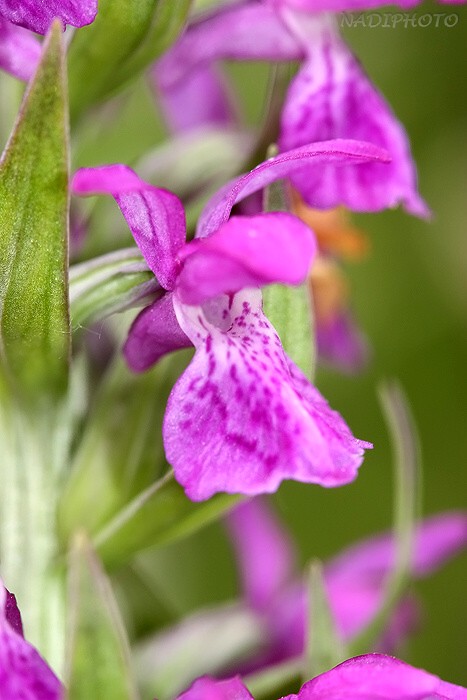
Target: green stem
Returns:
[[31, 457], [407, 500]]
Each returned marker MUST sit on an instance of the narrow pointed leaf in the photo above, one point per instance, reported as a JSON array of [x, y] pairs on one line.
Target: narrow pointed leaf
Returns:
[[108, 284], [324, 648], [35, 334], [125, 37], [98, 654]]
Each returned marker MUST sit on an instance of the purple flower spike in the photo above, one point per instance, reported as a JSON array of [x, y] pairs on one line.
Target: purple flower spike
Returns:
[[23, 672], [331, 97], [39, 14], [20, 51]]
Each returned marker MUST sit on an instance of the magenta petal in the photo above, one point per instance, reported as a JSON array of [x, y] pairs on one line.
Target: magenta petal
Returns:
[[250, 30], [200, 100], [437, 539], [20, 51], [23, 672], [155, 217], [238, 420], [264, 551], [377, 677], [246, 251], [338, 152], [154, 333], [343, 449], [210, 689], [332, 98], [38, 15], [12, 613]]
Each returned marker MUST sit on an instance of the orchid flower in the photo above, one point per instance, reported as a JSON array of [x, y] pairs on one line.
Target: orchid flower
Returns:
[[242, 417], [23, 672], [331, 97], [368, 677], [354, 579], [19, 49]]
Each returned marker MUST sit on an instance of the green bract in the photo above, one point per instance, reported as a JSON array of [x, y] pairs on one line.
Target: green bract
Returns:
[[126, 36], [98, 654], [35, 329]]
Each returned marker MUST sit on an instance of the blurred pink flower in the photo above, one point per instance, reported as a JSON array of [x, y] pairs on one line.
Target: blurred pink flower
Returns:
[[354, 580]]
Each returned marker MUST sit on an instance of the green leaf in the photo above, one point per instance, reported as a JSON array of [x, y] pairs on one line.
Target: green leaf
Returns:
[[407, 505], [160, 514], [34, 319], [108, 284], [324, 648], [126, 36], [98, 663], [290, 311]]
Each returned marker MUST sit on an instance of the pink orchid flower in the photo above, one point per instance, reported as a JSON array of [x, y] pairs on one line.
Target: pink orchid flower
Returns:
[[331, 96], [242, 417]]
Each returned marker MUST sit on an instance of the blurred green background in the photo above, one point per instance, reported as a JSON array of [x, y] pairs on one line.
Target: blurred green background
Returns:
[[410, 296]]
